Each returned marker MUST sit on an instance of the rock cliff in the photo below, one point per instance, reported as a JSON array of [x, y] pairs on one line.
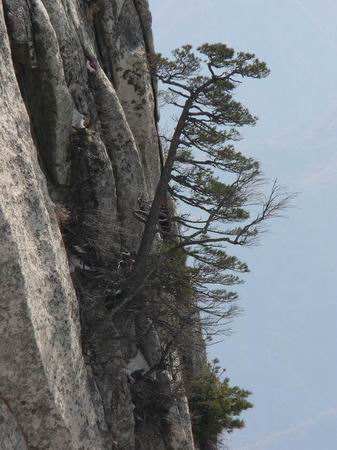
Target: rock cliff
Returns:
[[79, 155]]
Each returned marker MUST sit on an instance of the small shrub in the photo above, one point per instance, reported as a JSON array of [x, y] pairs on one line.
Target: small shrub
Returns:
[[215, 406]]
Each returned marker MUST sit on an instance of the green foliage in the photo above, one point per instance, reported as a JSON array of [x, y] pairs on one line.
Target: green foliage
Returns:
[[215, 405], [204, 170], [218, 184], [207, 78]]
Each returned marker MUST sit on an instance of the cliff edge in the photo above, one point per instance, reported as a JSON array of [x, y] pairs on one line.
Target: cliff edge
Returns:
[[79, 155]]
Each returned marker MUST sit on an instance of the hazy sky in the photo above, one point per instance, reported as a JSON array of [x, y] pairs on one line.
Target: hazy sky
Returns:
[[284, 345]]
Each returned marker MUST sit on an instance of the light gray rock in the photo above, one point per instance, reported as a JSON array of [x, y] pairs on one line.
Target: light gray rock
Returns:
[[79, 152], [43, 376], [11, 436], [123, 152], [135, 86]]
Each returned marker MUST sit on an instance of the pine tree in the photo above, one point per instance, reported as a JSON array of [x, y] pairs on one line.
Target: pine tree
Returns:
[[204, 170]]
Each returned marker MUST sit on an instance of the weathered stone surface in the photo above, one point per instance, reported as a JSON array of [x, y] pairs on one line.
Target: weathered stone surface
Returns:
[[79, 153], [11, 436], [42, 376], [135, 85], [122, 149]]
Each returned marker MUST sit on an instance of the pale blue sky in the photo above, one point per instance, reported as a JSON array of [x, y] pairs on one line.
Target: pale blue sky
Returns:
[[284, 345]]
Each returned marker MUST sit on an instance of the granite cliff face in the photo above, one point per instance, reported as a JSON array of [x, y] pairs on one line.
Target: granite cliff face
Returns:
[[79, 155]]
